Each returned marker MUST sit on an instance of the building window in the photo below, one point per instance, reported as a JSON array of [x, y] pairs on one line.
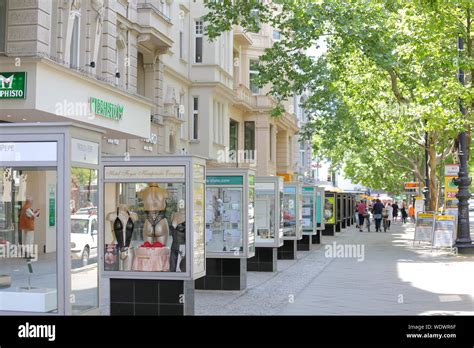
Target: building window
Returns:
[[253, 72], [233, 136], [199, 33], [3, 24], [74, 47], [270, 136], [181, 36], [249, 139], [276, 35], [195, 118]]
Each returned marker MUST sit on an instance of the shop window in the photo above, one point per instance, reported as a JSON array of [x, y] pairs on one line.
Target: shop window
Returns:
[[145, 227], [3, 24], [84, 239], [253, 74], [199, 38], [28, 230]]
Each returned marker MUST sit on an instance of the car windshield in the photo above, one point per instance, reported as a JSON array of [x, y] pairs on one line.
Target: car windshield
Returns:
[[79, 226]]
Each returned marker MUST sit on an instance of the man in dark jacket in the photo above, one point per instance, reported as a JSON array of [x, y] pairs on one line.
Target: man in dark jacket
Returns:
[[395, 211], [378, 209]]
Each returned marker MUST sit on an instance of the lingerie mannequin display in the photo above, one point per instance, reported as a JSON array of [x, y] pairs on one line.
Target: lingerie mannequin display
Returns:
[[22, 189], [122, 223], [153, 255], [156, 225], [178, 232]]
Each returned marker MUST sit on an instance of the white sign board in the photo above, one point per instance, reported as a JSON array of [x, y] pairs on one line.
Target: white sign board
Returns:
[[28, 152], [83, 151], [424, 227], [444, 231], [156, 173], [451, 170]]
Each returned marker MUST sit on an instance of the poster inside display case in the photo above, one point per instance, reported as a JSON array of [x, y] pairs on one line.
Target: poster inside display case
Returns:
[[265, 210], [308, 209], [292, 208], [230, 215], [149, 220]]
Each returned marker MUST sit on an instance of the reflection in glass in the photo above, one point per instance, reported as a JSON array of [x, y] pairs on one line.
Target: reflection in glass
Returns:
[[28, 266], [264, 215], [84, 237], [289, 214]]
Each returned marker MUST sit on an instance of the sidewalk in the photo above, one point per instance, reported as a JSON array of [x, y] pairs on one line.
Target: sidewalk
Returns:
[[394, 278]]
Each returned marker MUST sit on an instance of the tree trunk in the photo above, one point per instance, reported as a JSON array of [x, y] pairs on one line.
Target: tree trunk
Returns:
[[433, 190]]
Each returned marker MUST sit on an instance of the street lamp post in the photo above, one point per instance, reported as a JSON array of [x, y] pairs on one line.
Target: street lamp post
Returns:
[[463, 240], [426, 189]]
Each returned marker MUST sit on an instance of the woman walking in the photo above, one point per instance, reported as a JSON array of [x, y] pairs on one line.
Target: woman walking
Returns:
[[362, 210], [390, 214], [404, 213], [395, 211]]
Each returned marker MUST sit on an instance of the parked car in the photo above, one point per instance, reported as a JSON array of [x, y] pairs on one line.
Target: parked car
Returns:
[[84, 234]]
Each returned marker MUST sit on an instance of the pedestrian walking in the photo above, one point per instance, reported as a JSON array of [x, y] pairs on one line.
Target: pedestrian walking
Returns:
[[356, 218], [362, 211], [404, 213], [378, 208], [389, 209], [411, 213], [395, 208]]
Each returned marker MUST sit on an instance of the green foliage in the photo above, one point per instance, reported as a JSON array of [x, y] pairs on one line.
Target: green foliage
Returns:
[[388, 75]]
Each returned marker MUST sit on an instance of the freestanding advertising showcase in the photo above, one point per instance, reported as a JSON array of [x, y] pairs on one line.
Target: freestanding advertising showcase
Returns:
[[292, 229], [308, 212], [230, 228], [153, 244], [268, 223]]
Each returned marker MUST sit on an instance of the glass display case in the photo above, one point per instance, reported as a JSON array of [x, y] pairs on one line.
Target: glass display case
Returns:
[[320, 198], [268, 211], [309, 209], [292, 208], [153, 217], [230, 213]]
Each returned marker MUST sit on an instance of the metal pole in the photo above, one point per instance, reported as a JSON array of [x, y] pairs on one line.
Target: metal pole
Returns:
[[426, 189], [463, 241]]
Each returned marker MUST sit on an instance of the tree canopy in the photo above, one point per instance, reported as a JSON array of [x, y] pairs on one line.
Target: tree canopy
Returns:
[[387, 78]]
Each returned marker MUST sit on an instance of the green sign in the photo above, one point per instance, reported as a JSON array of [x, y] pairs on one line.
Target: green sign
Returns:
[[224, 180], [308, 188], [12, 85], [318, 208], [106, 109], [52, 206]]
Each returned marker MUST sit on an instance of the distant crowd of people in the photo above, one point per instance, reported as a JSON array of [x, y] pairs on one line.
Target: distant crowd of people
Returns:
[[382, 212]]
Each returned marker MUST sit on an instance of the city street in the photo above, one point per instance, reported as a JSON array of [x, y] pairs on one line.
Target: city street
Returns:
[[394, 278]]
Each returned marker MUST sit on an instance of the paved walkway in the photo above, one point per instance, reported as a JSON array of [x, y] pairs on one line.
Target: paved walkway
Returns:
[[392, 277]]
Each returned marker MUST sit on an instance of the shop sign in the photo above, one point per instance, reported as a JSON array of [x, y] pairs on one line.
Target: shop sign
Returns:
[[156, 173], [52, 205], [451, 169], [224, 180], [12, 85], [28, 152], [106, 109], [84, 151], [308, 188], [264, 186], [289, 190], [411, 187]]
